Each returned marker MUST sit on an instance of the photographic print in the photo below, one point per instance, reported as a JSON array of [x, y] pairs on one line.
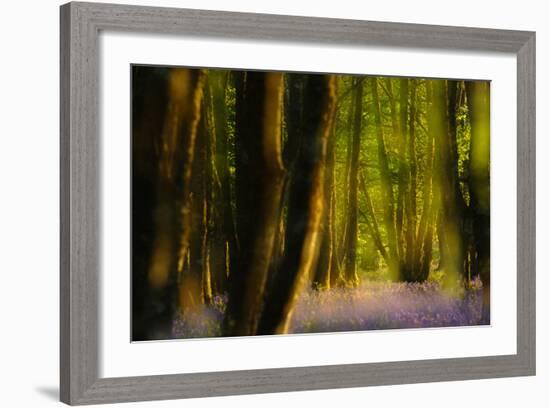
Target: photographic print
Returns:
[[271, 203]]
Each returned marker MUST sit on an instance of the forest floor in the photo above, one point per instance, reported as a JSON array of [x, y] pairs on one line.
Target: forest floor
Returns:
[[370, 306]]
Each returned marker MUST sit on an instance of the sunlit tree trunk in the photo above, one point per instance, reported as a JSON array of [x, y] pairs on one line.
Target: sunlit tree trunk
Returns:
[[403, 175], [410, 266], [335, 267], [172, 218], [305, 206], [322, 279], [259, 186], [342, 242], [192, 282], [216, 244], [211, 270], [387, 188], [350, 272]]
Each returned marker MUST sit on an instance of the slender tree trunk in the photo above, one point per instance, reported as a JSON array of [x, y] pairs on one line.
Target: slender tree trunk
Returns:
[[424, 236], [225, 245], [259, 183], [399, 128], [460, 203], [324, 266], [305, 206], [410, 266], [351, 230], [403, 174], [194, 284], [335, 273], [187, 152], [335, 269], [387, 188], [343, 243], [216, 243], [211, 184]]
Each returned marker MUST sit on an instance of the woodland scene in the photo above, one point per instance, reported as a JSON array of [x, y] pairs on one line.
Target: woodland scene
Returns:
[[277, 203]]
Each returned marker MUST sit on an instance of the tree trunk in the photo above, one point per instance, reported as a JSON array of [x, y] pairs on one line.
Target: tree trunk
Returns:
[[411, 196], [342, 242], [225, 244], [294, 119], [350, 272], [191, 280], [211, 191], [172, 218], [259, 186], [478, 94], [403, 174], [150, 314], [335, 269], [305, 206], [322, 278], [387, 188], [424, 236], [449, 230]]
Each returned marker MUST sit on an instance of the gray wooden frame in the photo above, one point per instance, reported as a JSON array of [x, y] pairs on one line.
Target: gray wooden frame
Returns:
[[80, 234]]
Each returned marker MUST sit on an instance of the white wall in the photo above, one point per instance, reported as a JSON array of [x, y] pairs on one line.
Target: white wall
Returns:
[[29, 202]]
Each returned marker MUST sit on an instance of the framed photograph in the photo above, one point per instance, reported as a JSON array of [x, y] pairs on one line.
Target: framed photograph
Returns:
[[261, 203]]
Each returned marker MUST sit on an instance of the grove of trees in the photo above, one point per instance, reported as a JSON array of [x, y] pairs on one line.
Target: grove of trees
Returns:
[[256, 185]]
